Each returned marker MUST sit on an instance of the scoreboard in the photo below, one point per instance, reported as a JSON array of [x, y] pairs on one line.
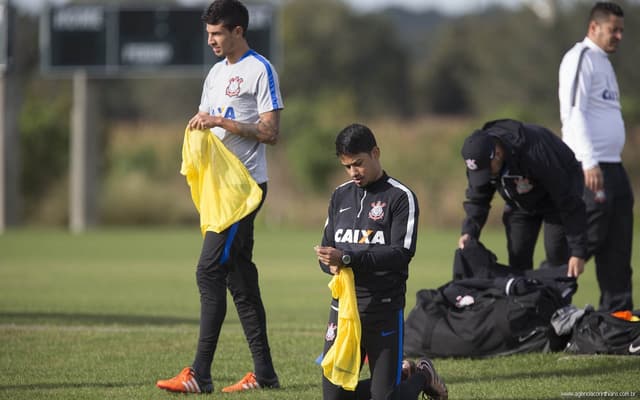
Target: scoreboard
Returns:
[[107, 39]]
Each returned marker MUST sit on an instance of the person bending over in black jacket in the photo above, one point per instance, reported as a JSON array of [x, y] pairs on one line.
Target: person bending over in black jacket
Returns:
[[540, 180]]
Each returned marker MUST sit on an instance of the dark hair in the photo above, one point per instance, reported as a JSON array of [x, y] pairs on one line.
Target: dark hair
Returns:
[[230, 13], [603, 10], [355, 139]]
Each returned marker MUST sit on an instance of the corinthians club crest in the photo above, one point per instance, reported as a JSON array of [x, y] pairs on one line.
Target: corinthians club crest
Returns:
[[233, 89], [377, 210]]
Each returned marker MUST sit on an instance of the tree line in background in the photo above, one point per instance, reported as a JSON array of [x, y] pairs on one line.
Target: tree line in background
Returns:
[[338, 66]]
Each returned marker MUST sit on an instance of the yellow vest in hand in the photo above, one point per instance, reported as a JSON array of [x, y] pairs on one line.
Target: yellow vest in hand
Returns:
[[222, 189], [341, 364]]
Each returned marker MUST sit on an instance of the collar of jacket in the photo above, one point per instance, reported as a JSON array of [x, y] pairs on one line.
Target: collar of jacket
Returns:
[[376, 184]]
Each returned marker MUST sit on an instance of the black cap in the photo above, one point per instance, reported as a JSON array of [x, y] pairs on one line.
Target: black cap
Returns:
[[477, 151]]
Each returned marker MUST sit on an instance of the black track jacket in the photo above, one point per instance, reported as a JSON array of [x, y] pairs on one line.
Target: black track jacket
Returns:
[[541, 176], [378, 227]]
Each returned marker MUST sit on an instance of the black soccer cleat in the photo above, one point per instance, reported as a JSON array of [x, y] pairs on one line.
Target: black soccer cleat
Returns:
[[434, 387], [408, 369]]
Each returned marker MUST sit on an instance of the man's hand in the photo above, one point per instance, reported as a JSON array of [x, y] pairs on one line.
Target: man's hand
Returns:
[[202, 121], [463, 240], [329, 256], [266, 130], [593, 179], [576, 267]]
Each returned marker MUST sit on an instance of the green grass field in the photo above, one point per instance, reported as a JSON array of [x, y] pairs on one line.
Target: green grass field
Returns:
[[105, 314]]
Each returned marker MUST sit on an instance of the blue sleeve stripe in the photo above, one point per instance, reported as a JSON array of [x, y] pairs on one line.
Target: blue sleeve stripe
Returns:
[[272, 81]]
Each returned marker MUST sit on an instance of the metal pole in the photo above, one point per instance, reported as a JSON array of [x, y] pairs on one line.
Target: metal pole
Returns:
[[82, 213], [9, 152]]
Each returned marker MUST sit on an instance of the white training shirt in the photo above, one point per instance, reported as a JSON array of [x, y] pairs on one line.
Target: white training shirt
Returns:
[[593, 127], [242, 91]]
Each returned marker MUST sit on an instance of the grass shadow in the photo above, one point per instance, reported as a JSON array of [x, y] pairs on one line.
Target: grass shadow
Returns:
[[69, 385], [93, 319]]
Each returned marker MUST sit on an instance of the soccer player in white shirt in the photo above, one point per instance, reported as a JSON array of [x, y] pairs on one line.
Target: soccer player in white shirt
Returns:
[[241, 104], [593, 127]]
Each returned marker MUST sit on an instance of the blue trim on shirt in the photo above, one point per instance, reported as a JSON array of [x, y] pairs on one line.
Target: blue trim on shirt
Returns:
[[246, 54], [226, 253], [270, 76]]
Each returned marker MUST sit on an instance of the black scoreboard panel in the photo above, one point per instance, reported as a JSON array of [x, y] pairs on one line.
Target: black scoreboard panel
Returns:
[[108, 39], [161, 37], [261, 30], [78, 36], [260, 34]]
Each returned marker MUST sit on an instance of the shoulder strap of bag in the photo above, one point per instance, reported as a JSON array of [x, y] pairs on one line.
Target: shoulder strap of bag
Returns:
[[574, 88]]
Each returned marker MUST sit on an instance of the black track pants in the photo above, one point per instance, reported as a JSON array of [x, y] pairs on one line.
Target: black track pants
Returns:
[[522, 230], [381, 343], [226, 263], [610, 235]]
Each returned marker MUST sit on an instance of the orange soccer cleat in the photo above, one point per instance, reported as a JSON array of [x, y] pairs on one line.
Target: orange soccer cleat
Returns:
[[249, 382], [185, 382]]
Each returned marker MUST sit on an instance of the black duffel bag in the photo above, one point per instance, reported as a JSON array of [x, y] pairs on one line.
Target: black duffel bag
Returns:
[[486, 317], [600, 332]]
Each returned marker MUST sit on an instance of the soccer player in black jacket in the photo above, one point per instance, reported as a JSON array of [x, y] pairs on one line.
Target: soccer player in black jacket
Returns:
[[540, 180], [372, 229]]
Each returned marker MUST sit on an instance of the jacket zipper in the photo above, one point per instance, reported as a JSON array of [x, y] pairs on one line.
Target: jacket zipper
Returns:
[[361, 205], [356, 231], [506, 191]]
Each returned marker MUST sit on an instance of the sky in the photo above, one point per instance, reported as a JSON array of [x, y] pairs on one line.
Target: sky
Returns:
[[451, 7]]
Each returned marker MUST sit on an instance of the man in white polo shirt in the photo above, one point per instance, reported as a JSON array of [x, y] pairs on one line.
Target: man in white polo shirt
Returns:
[[593, 128]]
